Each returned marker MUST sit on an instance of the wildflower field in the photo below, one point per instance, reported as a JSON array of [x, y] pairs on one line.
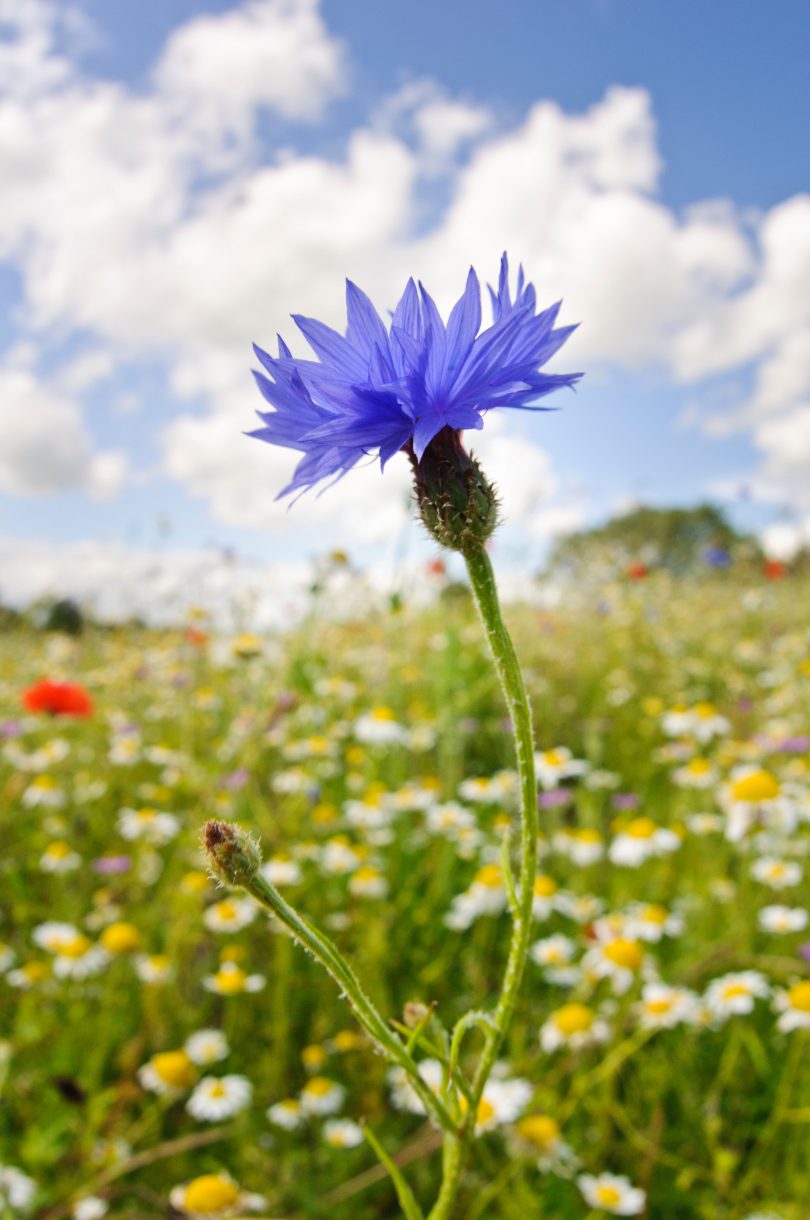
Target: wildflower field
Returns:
[[166, 1050]]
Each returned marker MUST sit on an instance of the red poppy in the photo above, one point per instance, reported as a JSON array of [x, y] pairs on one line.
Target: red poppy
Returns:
[[57, 698], [637, 571], [436, 567], [196, 637], [775, 569]]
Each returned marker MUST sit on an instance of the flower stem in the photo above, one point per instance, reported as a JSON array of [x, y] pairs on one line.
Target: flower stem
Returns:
[[327, 953], [485, 592]]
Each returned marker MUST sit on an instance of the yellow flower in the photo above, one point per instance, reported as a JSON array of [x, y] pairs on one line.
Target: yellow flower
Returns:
[[247, 645], [544, 887], [573, 1018], [195, 882], [313, 1057], [210, 1194], [489, 876], [628, 954], [120, 938], [756, 786], [174, 1068], [77, 946], [540, 1130], [799, 996]]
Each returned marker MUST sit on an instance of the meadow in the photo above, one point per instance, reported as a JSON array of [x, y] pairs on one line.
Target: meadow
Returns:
[[166, 1051]]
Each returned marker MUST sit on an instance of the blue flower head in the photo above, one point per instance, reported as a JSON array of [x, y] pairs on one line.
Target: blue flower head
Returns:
[[376, 390]]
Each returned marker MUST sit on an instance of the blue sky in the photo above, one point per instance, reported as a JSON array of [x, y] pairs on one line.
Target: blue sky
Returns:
[[185, 175]]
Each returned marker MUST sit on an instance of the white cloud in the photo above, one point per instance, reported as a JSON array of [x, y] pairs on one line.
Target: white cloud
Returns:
[[44, 445], [218, 70], [147, 223], [784, 538], [439, 125], [117, 582]]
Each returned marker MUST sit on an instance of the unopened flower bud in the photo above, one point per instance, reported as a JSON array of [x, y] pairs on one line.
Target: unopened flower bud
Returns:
[[415, 1012], [457, 503], [234, 857]]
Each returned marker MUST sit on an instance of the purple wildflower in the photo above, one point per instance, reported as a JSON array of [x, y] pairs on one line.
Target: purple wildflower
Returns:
[[555, 798], [378, 391], [111, 864]]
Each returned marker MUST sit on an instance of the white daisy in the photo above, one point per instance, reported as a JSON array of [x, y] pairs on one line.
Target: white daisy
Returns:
[[320, 1095], [342, 1133], [148, 824], [775, 873], [16, 1188], [663, 1007], [288, 1114], [782, 920], [641, 839], [735, 994], [575, 1025], [215, 1098], [207, 1046], [230, 915], [794, 1006], [612, 1193], [281, 870], [553, 766]]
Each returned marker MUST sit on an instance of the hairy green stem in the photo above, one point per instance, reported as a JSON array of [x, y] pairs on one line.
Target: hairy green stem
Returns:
[[482, 580], [322, 948]]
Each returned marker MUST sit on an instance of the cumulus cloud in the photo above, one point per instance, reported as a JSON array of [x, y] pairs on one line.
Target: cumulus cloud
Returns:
[[44, 445], [152, 224], [438, 124], [117, 582], [217, 71]]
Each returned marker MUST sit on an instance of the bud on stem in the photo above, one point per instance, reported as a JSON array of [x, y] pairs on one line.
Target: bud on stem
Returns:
[[457, 503], [234, 857]]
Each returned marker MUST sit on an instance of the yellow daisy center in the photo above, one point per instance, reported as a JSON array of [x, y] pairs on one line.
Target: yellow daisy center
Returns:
[[313, 1056], [76, 947], [35, 972], [628, 954], [120, 938], [346, 1040], [195, 881], [539, 1129], [757, 786], [733, 991], [573, 1019], [210, 1193], [174, 1068], [231, 982], [319, 1086], [57, 851], [608, 1196], [544, 887], [799, 996], [489, 876], [641, 828]]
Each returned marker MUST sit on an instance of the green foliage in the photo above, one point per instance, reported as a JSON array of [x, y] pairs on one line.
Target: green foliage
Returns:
[[710, 1120], [65, 616], [681, 540]]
